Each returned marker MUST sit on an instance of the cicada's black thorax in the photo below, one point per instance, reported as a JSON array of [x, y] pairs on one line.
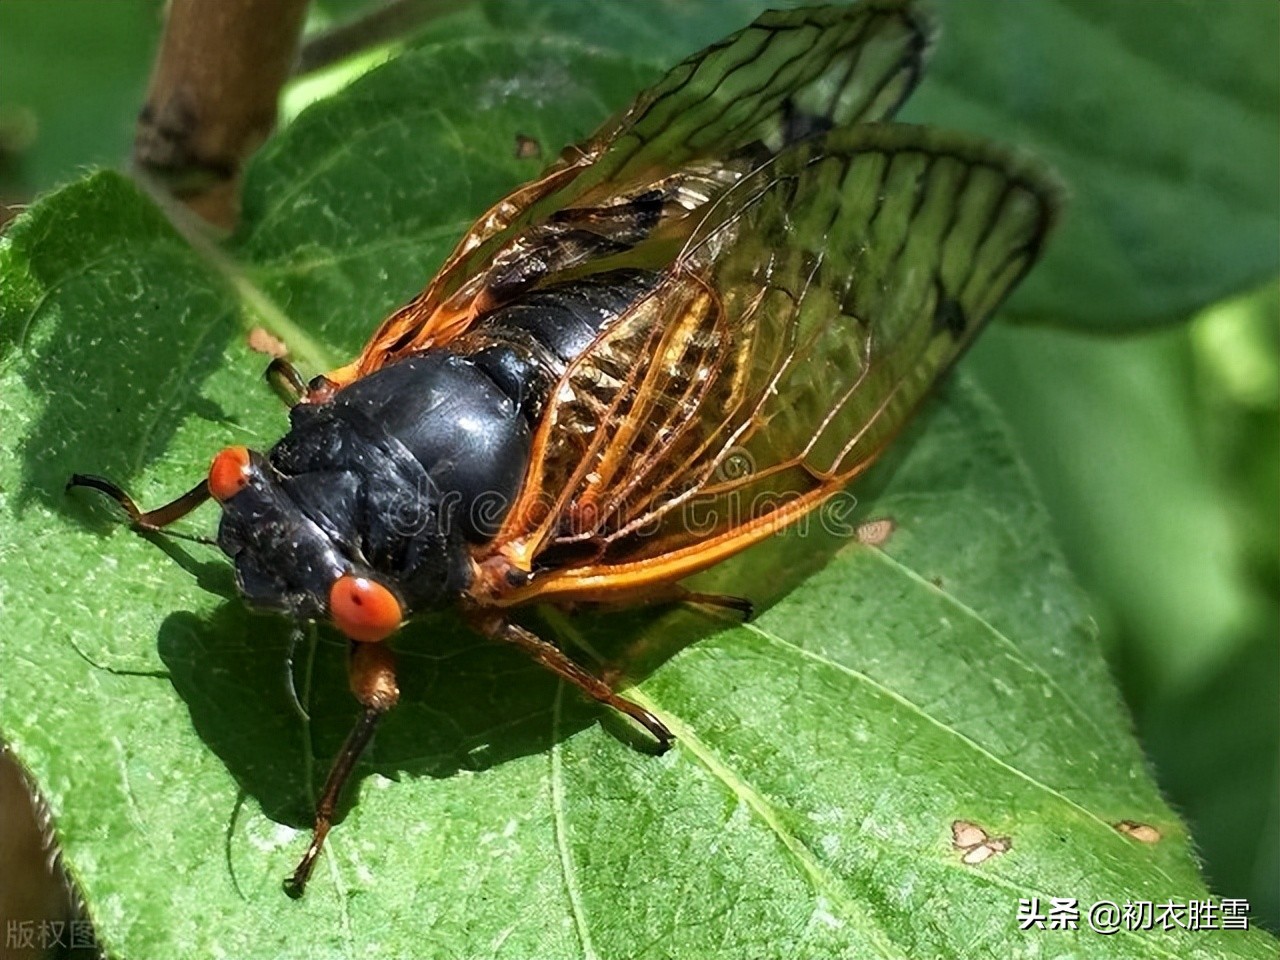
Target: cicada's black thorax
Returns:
[[402, 470], [393, 477]]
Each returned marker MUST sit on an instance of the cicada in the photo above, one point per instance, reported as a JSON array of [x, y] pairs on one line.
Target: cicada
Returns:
[[750, 260]]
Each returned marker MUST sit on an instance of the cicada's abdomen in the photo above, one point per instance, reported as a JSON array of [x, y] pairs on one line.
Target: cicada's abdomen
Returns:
[[525, 346]]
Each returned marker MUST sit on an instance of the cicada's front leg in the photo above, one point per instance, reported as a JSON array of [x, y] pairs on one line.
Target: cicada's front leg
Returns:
[[289, 385], [372, 675], [229, 473]]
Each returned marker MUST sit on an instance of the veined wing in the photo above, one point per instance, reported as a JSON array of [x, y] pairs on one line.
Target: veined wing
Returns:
[[805, 320], [711, 119]]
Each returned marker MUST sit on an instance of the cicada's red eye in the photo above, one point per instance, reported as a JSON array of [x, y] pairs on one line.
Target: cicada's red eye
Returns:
[[229, 473], [364, 609]]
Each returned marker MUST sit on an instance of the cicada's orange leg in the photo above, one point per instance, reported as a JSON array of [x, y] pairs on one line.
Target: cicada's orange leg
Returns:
[[287, 382], [229, 473], [558, 662], [372, 675]]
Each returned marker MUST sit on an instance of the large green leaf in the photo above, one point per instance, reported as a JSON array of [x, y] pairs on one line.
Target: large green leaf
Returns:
[[825, 750]]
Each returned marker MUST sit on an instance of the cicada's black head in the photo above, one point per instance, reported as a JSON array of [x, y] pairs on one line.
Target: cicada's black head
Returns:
[[364, 511], [359, 539]]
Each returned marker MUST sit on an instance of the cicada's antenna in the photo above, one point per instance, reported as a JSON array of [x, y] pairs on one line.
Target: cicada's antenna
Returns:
[[150, 521], [295, 637]]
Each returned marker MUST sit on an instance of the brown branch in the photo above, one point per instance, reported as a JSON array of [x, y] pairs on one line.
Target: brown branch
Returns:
[[397, 18], [213, 96], [39, 895]]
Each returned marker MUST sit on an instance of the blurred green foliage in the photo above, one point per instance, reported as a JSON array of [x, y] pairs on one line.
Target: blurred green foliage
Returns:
[[72, 76], [1162, 474]]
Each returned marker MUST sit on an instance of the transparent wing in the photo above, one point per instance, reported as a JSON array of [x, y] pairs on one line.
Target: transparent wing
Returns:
[[710, 120], [808, 315]]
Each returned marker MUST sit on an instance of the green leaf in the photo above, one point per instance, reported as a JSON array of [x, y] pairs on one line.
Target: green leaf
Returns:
[[825, 750], [1163, 127]]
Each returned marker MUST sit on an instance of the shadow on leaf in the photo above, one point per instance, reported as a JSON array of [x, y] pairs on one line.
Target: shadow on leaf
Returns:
[[466, 703]]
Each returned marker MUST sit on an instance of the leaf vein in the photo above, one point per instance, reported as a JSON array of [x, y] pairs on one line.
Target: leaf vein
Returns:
[[941, 725], [819, 878], [567, 869], [1019, 655]]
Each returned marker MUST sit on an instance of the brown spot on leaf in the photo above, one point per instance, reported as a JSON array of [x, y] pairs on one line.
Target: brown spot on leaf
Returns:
[[985, 851], [527, 148], [875, 533], [260, 341], [1142, 832], [965, 834], [977, 845]]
